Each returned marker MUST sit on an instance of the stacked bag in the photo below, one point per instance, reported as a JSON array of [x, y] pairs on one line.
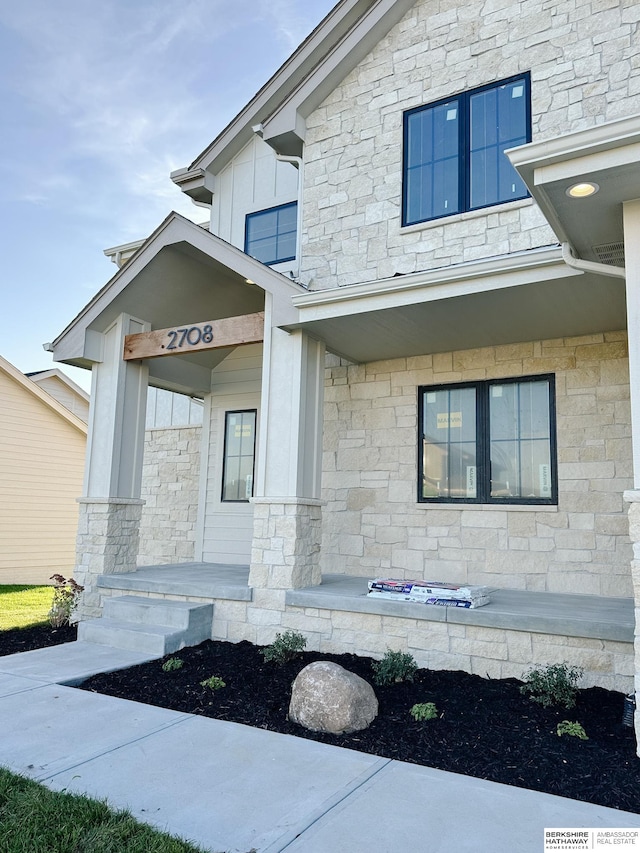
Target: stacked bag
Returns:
[[429, 592]]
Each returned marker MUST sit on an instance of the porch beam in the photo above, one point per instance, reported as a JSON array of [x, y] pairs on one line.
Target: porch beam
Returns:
[[207, 335]]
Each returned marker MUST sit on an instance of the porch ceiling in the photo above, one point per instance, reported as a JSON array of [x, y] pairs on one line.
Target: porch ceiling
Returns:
[[608, 155], [413, 317], [180, 276]]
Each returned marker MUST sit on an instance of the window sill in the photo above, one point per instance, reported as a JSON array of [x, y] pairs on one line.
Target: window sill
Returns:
[[490, 507], [469, 214]]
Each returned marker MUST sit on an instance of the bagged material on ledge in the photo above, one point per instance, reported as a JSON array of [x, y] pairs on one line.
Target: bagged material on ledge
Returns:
[[429, 592]]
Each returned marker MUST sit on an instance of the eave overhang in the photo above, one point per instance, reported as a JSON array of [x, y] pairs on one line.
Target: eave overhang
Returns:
[[607, 155], [345, 36], [182, 274], [514, 298], [43, 396]]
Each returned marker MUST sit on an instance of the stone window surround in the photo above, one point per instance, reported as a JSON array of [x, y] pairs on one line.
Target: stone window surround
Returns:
[[500, 207]]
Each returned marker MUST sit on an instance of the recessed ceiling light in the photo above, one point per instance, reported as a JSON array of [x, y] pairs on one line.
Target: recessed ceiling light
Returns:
[[248, 281], [583, 189]]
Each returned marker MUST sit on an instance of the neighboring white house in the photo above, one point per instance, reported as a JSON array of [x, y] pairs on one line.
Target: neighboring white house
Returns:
[[419, 356]]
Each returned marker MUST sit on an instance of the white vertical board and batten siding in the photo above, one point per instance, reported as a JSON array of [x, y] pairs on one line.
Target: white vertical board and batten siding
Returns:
[[227, 528], [254, 180]]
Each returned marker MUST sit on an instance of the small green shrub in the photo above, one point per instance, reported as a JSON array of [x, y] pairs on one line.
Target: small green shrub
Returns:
[[285, 647], [554, 684], [394, 667], [66, 594], [172, 664], [424, 711], [213, 683], [574, 729]]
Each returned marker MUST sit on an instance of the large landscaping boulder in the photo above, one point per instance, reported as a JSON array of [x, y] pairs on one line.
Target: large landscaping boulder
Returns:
[[328, 698]]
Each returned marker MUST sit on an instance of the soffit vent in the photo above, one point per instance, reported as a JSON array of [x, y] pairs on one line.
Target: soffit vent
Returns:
[[610, 253]]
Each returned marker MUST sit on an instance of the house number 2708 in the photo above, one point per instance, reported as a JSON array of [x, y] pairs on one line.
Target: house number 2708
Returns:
[[190, 337]]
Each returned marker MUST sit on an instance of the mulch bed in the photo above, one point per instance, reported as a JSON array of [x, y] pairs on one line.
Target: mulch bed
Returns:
[[486, 728], [35, 637]]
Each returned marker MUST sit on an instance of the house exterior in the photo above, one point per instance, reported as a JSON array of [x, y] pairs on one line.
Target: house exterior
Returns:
[[42, 452], [419, 355]]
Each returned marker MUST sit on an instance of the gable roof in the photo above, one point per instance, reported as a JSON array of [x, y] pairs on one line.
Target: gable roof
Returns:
[[45, 398], [278, 111], [40, 375]]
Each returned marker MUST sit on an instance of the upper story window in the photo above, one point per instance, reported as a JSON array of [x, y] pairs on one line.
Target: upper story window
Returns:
[[454, 157], [270, 235], [488, 442]]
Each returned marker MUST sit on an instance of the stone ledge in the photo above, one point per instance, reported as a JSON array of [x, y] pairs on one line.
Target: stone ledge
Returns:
[[589, 616]]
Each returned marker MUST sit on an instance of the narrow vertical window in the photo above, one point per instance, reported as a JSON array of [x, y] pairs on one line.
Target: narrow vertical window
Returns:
[[449, 449], [239, 455]]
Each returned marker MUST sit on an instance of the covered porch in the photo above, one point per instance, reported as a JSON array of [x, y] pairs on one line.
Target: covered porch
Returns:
[[501, 639]]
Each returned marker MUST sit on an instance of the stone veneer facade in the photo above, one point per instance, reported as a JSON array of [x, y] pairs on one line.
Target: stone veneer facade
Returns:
[[585, 70], [170, 484], [107, 543], [372, 523]]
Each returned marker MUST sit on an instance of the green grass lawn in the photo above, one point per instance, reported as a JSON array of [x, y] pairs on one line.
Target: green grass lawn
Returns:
[[36, 820], [21, 606]]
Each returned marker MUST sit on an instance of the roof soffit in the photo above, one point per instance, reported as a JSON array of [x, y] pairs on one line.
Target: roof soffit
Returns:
[[608, 155]]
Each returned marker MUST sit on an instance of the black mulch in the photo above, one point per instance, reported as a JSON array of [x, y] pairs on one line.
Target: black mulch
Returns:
[[35, 637], [486, 727]]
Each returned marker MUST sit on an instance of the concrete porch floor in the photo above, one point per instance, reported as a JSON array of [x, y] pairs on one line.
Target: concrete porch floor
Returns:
[[575, 615], [201, 580]]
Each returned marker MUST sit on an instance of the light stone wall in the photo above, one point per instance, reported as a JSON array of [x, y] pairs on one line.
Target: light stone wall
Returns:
[[585, 70], [372, 523], [107, 543], [170, 482], [488, 652], [286, 543]]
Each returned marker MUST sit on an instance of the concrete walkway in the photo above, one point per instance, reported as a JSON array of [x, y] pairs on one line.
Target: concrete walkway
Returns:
[[236, 789]]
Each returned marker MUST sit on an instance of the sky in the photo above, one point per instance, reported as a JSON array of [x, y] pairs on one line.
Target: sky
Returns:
[[99, 102]]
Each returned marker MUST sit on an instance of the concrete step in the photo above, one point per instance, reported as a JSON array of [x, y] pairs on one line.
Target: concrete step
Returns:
[[186, 615], [151, 626]]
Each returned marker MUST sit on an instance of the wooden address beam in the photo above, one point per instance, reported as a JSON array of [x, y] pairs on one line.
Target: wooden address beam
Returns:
[[214, 334]]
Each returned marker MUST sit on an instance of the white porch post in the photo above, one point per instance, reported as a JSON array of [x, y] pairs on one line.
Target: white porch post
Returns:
[[110, 510], [287, 507], [631, 217]]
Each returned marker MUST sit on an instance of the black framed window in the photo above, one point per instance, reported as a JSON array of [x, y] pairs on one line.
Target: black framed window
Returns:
[[270, 235], [488, 442], [454, 157], [239, 455]]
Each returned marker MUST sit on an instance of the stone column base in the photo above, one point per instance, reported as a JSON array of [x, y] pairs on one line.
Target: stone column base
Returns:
[[285, 552], [107, 543], [633, 499]]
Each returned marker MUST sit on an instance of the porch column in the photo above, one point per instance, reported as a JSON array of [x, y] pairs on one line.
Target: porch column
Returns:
[[287, 507], [110, 510], [631, 217]]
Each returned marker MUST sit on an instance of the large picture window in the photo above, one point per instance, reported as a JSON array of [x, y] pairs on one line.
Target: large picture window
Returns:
[[239, 455], [270, 235], [488, 442], [454, 157]]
